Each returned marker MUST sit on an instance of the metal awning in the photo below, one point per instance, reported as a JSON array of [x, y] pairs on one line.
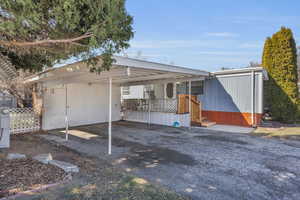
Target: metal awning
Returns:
[[125, 71]]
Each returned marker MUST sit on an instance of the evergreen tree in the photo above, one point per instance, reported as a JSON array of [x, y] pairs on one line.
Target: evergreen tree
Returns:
[[38, 32], [280, 61], [267, 63], [298, 59]]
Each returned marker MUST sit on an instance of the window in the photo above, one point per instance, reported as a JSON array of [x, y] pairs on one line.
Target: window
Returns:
[[126, 90], [197, 87], [170, 90]]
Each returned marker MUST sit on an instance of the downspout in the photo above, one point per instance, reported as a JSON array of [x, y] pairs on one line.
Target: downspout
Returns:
[[253, 98], [190, 103]]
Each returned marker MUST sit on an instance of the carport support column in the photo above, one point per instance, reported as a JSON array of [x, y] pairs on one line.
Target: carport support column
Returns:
[[66, 112], [149, 112], [109, 117], [190, 103]]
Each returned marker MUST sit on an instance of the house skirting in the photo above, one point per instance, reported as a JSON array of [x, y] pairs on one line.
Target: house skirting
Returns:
[[232, 118], [160, 118]]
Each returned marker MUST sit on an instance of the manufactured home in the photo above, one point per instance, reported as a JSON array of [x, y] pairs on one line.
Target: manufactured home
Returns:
[[233, 97]]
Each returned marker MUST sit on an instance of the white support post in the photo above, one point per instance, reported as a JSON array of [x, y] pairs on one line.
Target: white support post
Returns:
[[66, 113], [190, 103], [109, 117], [149, 112]]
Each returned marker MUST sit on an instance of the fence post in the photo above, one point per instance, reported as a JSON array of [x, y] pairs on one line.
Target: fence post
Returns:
[[4, 129]]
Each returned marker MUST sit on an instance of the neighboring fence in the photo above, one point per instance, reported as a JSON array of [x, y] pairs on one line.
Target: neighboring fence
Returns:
[[23, 120], [156, 105]]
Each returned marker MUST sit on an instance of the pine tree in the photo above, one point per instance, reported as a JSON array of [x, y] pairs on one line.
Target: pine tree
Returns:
[[36, 33], [280, 61]]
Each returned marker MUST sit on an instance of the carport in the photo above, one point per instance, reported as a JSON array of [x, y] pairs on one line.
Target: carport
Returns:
[[124, 72]]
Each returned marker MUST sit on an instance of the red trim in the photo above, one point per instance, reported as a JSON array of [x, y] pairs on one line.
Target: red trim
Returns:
[[232, 118]]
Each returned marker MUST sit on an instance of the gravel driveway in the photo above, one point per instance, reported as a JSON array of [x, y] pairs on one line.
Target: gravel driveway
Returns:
[[201, 164]]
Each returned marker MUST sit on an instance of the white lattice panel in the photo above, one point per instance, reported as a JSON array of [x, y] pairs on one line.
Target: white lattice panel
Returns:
[[156, 105], [23, 120]]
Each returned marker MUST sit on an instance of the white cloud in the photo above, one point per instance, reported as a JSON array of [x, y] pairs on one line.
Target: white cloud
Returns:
[[222, 34], [172, 44], [226, 53], [251, 45], [208, 52], [164, 44], [263, 19]]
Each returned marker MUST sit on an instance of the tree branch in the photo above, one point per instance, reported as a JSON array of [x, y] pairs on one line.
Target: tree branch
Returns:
[[45, 42]]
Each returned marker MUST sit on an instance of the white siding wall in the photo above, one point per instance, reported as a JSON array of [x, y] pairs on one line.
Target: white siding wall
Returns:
[[88, 104], [158, 118], [232, 93]]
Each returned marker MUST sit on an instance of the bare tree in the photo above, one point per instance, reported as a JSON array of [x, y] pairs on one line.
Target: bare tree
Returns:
[[254, 64], [11, 81], [17, 88]]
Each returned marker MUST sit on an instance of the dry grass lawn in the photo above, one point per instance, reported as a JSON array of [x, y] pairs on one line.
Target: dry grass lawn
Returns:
[[283, 132]]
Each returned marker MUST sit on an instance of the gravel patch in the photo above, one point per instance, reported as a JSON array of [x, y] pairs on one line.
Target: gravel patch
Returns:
[[24, 174]]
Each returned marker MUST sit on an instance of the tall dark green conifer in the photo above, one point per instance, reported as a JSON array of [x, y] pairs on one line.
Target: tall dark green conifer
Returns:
[[267, 63], [280, 60]]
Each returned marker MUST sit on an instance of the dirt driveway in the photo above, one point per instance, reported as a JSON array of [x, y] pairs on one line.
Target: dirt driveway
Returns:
[[201, 164]]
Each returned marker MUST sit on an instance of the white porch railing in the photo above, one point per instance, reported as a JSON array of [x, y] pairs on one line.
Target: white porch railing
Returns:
[[156, 105]]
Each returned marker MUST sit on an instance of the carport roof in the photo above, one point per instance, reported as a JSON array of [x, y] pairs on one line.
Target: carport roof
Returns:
[[125, 71]]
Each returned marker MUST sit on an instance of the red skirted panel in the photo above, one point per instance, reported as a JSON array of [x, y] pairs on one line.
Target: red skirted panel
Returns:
[[231, 118]]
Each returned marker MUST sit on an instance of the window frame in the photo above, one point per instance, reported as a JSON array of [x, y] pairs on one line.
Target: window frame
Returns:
[[126, 91]]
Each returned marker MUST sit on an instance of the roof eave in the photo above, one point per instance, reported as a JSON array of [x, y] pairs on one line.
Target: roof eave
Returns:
[[241, 71]]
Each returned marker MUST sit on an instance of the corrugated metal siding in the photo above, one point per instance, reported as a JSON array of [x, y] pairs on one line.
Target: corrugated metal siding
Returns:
[[232, 93]]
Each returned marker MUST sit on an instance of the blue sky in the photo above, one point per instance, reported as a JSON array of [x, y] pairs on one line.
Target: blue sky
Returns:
[[208, 34]]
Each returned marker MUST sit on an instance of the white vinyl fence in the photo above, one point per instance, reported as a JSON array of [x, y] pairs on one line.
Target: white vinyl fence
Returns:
[[23, 120]]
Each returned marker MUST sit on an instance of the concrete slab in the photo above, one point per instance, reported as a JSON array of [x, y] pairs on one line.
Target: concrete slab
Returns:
[[67, 167], [228, 128], [12, 156], [43, 158]]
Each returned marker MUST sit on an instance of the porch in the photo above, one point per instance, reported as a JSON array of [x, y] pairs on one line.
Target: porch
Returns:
[[172, 103]]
